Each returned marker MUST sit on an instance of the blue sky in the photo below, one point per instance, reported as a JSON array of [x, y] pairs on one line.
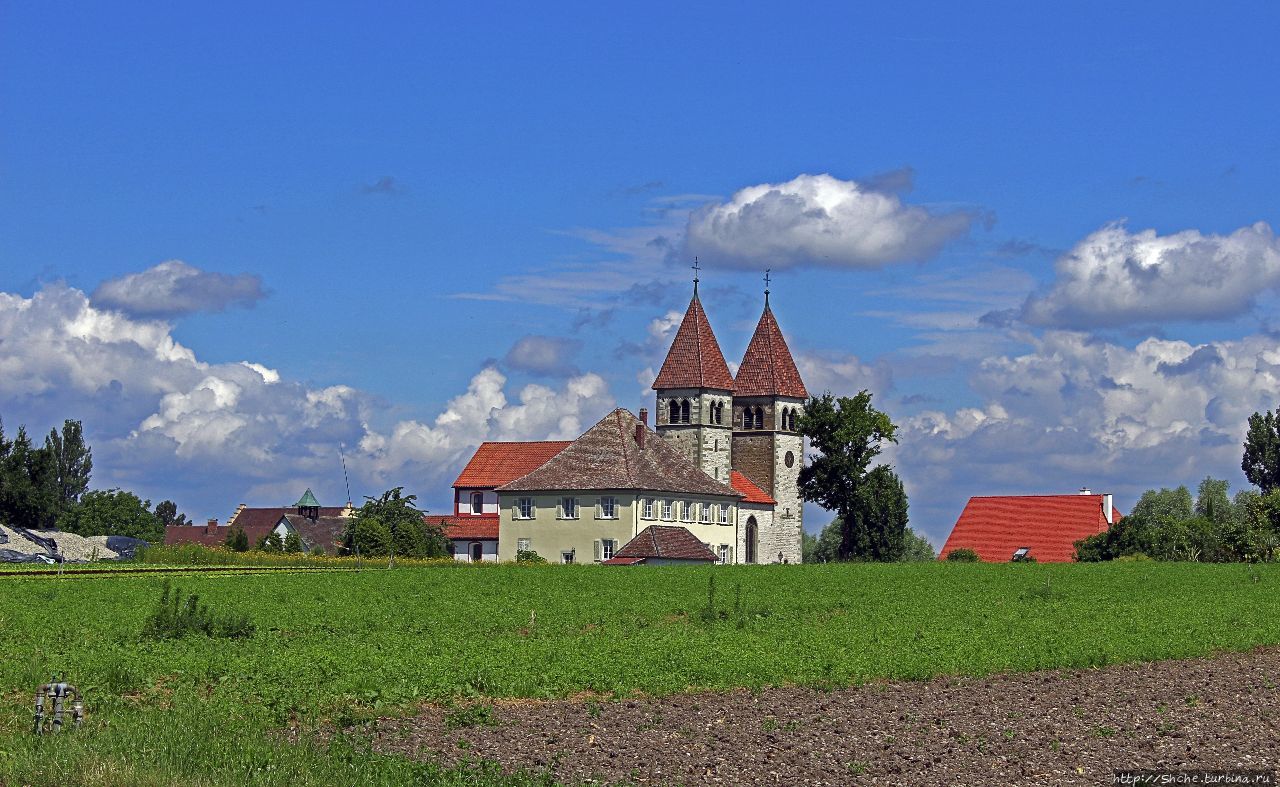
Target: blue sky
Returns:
[[1038, 244]]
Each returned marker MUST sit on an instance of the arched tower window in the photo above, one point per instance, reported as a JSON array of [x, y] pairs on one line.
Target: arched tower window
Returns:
[[759, 418], [673, 412], [747, 422], [684, 411]]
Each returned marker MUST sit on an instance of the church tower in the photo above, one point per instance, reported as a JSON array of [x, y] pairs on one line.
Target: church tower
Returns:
[[695, 395], [767, 401]]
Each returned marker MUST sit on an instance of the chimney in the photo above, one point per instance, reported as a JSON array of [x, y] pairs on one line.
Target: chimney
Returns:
[[640, 432], [1084, 490], [644, 416], [212, 527], [1107, 511]]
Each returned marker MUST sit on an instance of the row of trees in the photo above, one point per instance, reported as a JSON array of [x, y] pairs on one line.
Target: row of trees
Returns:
[[1167, 524], [39, 484], [47, 486]]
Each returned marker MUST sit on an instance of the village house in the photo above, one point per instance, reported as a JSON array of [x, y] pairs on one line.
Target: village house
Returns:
[[1043, 527], [316, 525]]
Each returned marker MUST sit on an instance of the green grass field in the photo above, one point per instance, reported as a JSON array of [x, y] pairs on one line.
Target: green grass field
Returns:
[[342, 646]]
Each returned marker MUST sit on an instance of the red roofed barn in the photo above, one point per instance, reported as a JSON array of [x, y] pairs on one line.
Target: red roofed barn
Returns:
[[1047, 525]]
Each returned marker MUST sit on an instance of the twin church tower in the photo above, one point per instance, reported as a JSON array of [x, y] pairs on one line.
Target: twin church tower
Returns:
[[744, 424]]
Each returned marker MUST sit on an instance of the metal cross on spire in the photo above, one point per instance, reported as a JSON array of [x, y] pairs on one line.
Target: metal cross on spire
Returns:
[[696, 268], [766, 285]]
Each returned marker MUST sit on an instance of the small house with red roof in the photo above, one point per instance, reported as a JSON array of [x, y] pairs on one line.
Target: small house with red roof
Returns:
[[663, 545], [473, 527], [1046, 526]]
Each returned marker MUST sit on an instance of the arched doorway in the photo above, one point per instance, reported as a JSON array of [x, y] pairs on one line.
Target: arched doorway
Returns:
[[751, 539], [477, 551]]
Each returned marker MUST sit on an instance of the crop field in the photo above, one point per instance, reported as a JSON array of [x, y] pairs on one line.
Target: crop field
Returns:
[[339, 647]]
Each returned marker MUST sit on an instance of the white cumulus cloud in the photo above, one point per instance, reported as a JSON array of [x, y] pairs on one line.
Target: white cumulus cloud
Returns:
[[174, 288], [165, 424], [1116, 277], [819, 220]]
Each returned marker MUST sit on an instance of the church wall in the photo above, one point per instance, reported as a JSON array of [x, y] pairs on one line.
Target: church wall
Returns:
[[753, 457]]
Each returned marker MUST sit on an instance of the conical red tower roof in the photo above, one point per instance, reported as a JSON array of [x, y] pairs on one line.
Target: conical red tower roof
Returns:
[[768, 368], [694, 360]]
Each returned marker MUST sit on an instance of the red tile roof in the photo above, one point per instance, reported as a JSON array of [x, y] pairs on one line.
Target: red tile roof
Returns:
[[767, 368], [257, 518], [187, 534], [995, 527], [481, 528], [666, 541], [750, 492], [694, 360], [495, 463]]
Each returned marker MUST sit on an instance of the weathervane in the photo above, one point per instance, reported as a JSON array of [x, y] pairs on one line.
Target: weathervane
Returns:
[[766, 285], [695, 275]]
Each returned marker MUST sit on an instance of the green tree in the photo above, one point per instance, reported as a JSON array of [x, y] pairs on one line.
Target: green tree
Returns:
[[1261, 461], [271, 542], [293, 542], [825, 547], [848, 433], [392, 524], [168, 516], [113, 512], [916, 548], [27, 484], [237, 540], [71, 465]]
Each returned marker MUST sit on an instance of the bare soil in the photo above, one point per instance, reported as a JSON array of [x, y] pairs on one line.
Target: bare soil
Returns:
[[1070, 727]]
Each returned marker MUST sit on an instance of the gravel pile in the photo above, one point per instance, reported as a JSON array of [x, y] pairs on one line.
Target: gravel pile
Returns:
[[73, 548], [1045, 728]]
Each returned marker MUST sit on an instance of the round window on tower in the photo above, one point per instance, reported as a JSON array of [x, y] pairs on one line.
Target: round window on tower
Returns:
[[789, 459]]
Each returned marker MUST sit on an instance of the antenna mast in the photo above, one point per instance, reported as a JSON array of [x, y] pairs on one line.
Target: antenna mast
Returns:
[[345, 480]]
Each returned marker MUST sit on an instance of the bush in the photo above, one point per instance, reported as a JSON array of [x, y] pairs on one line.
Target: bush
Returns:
[[176, 618], [529, 556], [962, 556]]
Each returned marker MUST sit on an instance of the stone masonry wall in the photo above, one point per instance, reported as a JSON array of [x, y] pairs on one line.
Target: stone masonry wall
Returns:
[[790, 511], [753, 457]]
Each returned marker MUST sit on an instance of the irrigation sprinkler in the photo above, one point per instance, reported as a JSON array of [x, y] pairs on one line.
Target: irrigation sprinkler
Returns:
[[57, 692]]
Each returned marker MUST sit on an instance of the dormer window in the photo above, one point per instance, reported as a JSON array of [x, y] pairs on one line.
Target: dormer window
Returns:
[[477, 503]]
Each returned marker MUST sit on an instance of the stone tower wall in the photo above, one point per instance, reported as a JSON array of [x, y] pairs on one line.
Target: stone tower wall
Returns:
[[707, 444]]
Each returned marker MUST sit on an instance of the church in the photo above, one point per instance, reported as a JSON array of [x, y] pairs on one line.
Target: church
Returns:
[[721, 461]]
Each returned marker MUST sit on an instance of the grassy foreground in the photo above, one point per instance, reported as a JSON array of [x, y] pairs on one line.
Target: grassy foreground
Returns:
[[339, 647]]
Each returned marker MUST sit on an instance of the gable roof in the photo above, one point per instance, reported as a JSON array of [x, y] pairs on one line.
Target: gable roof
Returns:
[[767, 367], [694, 360], [665, 541], [750, 492], [607, 456], [263, 520], [994, 527], [495, 463], [325, 532]]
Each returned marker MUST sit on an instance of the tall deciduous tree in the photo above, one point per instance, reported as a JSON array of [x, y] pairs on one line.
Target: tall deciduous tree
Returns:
[[1261, 462], [392, 523], [72, 464], [870, 503]]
